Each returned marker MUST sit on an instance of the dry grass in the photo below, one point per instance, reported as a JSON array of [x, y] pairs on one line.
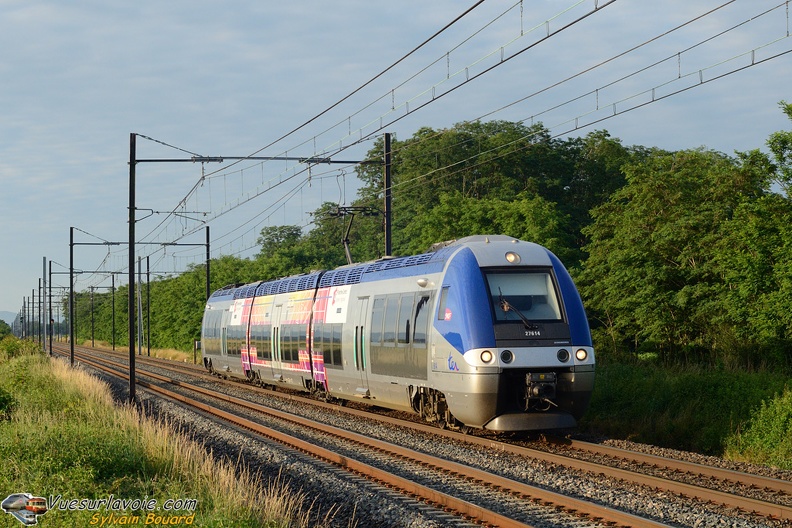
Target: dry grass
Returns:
[[181, 465], [165, 353], [176, 457]]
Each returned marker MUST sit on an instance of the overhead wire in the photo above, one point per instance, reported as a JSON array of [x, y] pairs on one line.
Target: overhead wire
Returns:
[[618, 56], [504, 60], [656, 99], [445, 55], [698, 72], [602, 63], [469, 78], [377, 76], [421, 179], [302, 184], [250, 197], [674, 56], [204, 177], [276, 205], [352, 93], [256, 194], [460, 71]]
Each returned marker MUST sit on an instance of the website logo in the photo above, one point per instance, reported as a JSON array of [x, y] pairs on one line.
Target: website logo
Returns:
[[25, 507]]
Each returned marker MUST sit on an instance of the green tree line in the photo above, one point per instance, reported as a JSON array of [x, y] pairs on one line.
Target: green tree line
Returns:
[[685, 255], [4, 329]]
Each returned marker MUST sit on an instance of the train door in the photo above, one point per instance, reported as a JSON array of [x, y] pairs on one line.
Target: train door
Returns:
[[361, 346], [247, 364], [225, 321], [277, 363], [267, 345], [245, 352]]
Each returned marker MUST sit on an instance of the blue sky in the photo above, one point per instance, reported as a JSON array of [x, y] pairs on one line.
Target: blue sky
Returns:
[[228, 79]]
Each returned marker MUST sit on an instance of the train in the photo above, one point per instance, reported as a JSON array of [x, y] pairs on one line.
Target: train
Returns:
[[25, 507], [37, 505], [15, 502], [486, 332]]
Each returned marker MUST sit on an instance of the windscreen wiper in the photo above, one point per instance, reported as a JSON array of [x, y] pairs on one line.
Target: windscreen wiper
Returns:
[[506, 306]]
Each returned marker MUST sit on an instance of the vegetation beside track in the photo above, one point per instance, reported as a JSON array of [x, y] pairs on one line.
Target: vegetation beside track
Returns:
[[767, 439], [62, 434], [680, 253], [682, 256], [744, 416], [164, 353]]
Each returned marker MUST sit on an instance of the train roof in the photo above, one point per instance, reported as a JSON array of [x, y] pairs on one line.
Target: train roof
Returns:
[[389, 267], [338, 277]]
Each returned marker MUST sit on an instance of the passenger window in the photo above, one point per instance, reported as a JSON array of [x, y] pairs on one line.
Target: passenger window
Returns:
[[285, 343], [405, 313], [391, 319], [260, 338], [376, 320], [421, 321], [266, 343], [327, 341], [337, 360], [292, 339], [318, 341]]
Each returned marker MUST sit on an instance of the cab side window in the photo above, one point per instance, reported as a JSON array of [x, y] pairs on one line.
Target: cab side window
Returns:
[[441, 305]]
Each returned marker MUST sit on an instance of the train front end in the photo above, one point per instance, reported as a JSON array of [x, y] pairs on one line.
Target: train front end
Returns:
[[517, 340]]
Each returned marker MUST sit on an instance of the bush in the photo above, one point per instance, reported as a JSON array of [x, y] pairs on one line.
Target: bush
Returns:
[[11, 347], [67, 438], [690, 408], [7, 404], [767, 439]]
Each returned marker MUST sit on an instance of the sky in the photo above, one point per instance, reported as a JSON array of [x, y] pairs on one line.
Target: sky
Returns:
[[309, 78]]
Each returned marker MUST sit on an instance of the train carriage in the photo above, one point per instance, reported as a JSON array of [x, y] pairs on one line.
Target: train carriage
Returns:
[[37, 505], [484, 332]]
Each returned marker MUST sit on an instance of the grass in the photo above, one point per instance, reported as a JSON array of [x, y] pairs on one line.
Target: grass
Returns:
[[60, 433], [737, 414], [767, 438], [64, 435], [165, 353]]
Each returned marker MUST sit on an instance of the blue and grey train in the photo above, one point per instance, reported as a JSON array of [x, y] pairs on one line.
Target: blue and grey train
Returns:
[[482, 332]]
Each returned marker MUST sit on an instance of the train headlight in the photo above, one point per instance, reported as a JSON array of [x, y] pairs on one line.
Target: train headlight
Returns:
[[512, 257], [581, 354], [507, 356], [563, 355], [486, 356]]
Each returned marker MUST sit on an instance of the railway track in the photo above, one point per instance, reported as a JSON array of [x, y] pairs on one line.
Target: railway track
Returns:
[[673, 477]]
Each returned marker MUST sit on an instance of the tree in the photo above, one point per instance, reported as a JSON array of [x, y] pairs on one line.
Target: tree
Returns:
[[755, 259], [528, 218], [4, 329], [596, 174], [494, 160], [652, 276], [271, 239], [780, 144]]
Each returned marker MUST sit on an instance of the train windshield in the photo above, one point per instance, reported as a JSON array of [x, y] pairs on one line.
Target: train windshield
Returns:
[[523, 296]]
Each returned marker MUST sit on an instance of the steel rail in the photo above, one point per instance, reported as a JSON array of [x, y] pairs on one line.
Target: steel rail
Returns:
[[757, 507], [431, 496], [575, 506], [758, 481], [462, 508]]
